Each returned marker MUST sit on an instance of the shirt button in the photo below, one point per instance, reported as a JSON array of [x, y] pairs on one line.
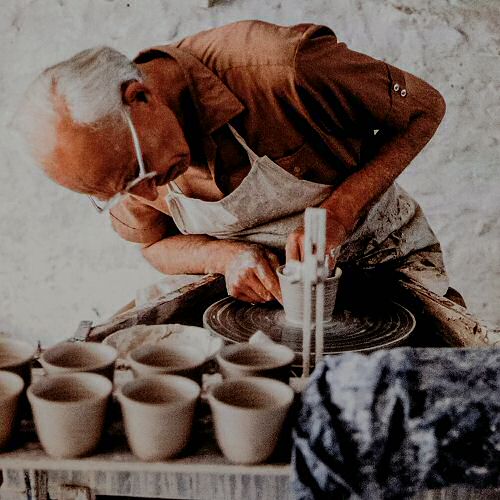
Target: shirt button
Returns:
[[396, 87], [403, 93], [297, 170]]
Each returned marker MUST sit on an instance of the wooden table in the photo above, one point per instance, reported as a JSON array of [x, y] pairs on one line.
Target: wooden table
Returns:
[[30, 474]]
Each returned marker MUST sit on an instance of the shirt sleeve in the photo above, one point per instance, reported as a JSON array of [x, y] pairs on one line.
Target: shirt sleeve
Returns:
[[139, 223], [348, 91]]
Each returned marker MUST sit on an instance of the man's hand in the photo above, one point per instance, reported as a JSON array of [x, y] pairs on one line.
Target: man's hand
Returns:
[[250, 273], [336, 235]]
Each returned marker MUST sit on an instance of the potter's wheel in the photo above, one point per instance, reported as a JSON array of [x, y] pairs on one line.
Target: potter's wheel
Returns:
[[351, 329]]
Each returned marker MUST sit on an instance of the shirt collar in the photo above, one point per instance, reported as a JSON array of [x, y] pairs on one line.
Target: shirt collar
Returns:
[[215, 103]]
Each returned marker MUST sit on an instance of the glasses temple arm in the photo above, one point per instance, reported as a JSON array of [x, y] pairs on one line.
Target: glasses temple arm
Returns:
[[137, 145]]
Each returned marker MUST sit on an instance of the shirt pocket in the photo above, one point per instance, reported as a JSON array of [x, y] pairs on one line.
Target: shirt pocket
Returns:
[[307, 164]]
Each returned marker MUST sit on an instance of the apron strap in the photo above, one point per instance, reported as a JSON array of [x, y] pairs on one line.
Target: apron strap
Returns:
[[173, 188], [251, 154]]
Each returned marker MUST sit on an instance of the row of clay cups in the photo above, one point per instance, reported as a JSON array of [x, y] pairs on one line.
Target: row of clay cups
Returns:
[[150, 402], [267, 359], [248, 414], [158, 407], [158, 411], [248, 411]]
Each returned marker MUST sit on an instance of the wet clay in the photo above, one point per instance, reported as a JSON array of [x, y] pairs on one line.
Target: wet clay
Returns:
[[293, 297]]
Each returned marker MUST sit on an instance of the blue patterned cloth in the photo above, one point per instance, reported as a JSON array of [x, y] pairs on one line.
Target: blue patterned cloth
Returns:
[[392, 423]]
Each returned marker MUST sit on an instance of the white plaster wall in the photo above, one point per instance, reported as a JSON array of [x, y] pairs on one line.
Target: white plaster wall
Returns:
[[60, 262]]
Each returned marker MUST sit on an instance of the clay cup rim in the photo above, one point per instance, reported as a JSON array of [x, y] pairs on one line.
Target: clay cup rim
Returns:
[[79, 356], [11, 385], [243, 394], [23, 351], [275, 356], [70, 389], [149, 357], [285, 277], [175, 390]]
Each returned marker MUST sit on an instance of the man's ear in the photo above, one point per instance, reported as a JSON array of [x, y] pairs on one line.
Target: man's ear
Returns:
[[134, 92]]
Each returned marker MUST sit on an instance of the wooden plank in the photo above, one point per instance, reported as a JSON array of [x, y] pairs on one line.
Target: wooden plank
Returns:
[[211, 463], [457, 326], [180, 305], [174, 485]]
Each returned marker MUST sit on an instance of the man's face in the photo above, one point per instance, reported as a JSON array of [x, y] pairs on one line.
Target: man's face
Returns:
[[100, 161]]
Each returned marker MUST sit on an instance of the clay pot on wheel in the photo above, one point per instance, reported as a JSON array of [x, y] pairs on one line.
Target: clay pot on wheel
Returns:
[[293, 296]]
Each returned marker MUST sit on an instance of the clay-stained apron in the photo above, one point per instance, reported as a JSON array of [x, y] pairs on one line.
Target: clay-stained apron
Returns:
[[269, 204]]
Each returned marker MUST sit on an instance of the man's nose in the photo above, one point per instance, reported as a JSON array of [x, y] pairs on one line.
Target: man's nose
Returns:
[[146, 189]]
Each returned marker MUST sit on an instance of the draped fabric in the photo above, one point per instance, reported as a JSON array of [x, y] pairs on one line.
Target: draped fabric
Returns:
[[392, 423]]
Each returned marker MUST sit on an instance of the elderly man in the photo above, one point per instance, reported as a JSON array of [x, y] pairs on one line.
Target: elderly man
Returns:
[[208, 151]]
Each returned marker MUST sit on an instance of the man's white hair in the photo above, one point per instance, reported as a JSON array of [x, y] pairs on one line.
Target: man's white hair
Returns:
[[89, 82]]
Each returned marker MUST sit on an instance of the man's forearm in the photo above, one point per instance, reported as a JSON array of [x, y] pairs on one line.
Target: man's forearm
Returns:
[[360, 191], [188, 254]]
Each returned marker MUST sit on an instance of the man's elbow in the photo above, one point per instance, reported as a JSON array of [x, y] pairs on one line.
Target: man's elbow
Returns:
[[427, 101], [147, 246], [439, 107], [431, 113]]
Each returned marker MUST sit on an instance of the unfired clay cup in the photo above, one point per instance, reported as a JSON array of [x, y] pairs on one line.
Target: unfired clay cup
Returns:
[[16, 356], [248, 415], [158, 359], [11, 387], [69, 412], [71, 357], [268, 360], [293, 297], [158, 414]]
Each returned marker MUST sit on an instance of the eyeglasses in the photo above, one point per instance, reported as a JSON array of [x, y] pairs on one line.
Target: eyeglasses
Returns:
[[143, 175]]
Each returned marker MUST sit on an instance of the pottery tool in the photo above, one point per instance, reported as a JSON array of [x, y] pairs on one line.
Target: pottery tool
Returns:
[[314, 270]]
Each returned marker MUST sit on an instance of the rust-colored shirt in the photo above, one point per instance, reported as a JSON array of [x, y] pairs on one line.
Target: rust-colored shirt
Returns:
[[296, 94]]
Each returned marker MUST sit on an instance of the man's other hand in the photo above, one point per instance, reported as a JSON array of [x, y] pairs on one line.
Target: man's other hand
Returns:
[[250, 273], [336, 236]]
